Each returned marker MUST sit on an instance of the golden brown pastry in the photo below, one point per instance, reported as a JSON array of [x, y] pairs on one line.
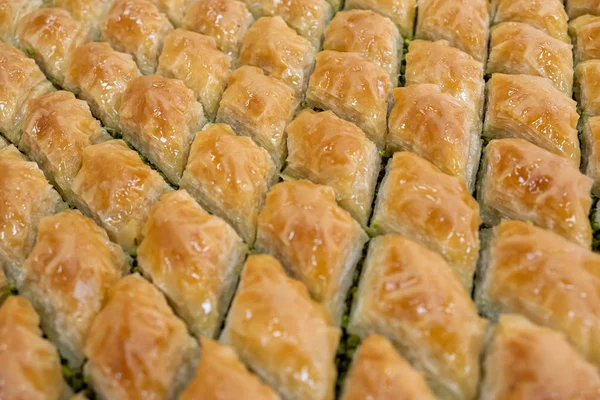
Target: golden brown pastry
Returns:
[[329, 151], [221, 375], [463, 23], [454, 71], [25, 197], [229, 176], [276, 48], [531, 108], [226, 21], [436, 126], [176, 10], [138, 28], [411, 296], [587, 75], [11, 12], [585, 31], [117, 189], [100, 75], [525, 361], [20, 80], [50, 35], [66, 278], [89, 12], [56, 129], [400, 12], [519, 48], [591, 148], [525, 182], [379, 373], [280, 333], [30, 364], [137, 348], [577, 8], [260, 107], [553, 282], [194, 258], [194, 59], [420, 202], [354, 88], [5, 288]]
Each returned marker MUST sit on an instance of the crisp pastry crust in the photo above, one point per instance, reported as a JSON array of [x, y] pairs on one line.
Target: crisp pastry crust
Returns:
[[546, 15], [420, 202], [194, 258], [276, 48], [518, 48], [585, 32], [453, 70], [89, 12], [258, 106], [30, 364], [226, 21], [221, 375], [282, 334], [553, 282], [578, 8], [66, 278], [137, 27], [25, 197], [4, 287], [229, 176], [379, 373], [11, 12], [463, 23], [117, 189], [354, 88], [329, 151], [194, 59], [56, 129], [590, 140], [531, 108], [50, 35], [400, 12], [411, 296], [316, 240], [371, 35], [137, 348], [525, 361], [20, 80], [437, 127], [160, 117], [525, 182], [176, 10], [587, 76], [100, 75]]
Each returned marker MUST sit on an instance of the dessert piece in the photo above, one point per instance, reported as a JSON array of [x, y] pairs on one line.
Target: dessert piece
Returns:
[[176, 10], [401, 12], [585, 31], [590, 140], [587, 76], [577, 8], [11, 13], [89, 12]]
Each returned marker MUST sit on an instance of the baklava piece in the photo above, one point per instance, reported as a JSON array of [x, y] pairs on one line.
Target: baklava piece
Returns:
[[591, 147], [117, 189], [20, 80], [401, 12], [194, 59], [316, 240], [25, 198], [137, 27], [585, 31], [463, 23], [260, 107], [89, 12], [578, 8], [276, 48], [553, 282], [194, 258], [221, 375], [378, 372], [160, 117], [30, 364], [371, 35], [518, 48], [137, 348], [50, 35], [525, 182], [11, 13], [354, 88], [176, 10], [100, 75], [329, 151], [281, 334], [56, 129], [229, 176], [226, 21], [525, 361], [531, 108], [587, 76], [438, 127], [420, 202], [71, 253], [411, 296]]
